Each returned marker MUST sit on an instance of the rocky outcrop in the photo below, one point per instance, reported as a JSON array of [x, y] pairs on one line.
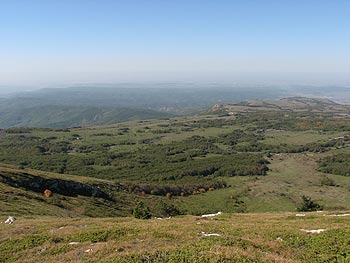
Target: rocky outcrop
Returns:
[[57, 186]]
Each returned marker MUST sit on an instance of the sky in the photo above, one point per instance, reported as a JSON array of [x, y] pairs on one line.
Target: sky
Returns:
[[60, 42]]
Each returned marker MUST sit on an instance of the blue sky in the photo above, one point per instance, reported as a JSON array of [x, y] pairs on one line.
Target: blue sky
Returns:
[[58, 41]]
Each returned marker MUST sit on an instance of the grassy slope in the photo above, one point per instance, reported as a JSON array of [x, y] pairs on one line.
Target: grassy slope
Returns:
[[295, 104], [290, 176], [18, 201], [244, 238]]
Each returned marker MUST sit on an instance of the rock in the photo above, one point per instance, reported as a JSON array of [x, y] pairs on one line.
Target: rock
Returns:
[[300, 215], [210, 234], [313, 231], [211, 215], [10, 220]]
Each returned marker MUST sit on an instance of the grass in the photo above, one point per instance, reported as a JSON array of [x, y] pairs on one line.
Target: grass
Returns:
[[19, 201], [290, 177], [244, 238], [299, 138]]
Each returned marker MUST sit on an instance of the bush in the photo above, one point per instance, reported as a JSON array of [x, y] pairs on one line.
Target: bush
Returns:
[[167, 209], [141, 212], [308, 205], [328, 181]]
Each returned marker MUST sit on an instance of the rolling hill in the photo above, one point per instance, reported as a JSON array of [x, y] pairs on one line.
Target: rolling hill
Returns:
[[58, 116], [292, 104], [108, 104], [101, 105]]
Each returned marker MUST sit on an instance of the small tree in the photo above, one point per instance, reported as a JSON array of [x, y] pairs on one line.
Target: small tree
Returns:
[[141, 212], [167, 209], [307, 205]]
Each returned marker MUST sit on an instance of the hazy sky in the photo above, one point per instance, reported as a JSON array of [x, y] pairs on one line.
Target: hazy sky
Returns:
[[71, 41]]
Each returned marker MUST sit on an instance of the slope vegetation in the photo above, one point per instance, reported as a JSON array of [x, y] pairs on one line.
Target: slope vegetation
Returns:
[[22, 193], [225, 238], [292, 104], [259, 161], [56, 116]]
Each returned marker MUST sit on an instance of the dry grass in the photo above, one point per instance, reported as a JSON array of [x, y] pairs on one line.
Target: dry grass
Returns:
[[244, 238]]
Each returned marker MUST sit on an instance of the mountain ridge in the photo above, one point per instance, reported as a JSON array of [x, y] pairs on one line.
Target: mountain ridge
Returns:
[[293, 104]]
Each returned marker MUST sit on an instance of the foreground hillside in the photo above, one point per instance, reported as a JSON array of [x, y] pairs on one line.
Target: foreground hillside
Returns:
[[224, 238]]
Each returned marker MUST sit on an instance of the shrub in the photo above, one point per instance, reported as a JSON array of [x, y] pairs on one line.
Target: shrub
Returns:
[[328, 181], [308, 205], [141, 212], [167, 209]]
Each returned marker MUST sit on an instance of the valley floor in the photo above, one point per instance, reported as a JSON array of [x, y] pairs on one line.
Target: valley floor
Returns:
[[290, 176]]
